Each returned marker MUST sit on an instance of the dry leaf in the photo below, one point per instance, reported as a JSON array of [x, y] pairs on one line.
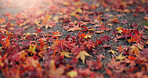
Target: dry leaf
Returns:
[[120, 57], [82, 55], [66, 54], [72, 74]]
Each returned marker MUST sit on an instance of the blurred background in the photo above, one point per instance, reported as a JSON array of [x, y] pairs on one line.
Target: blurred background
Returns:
[[14, 6]]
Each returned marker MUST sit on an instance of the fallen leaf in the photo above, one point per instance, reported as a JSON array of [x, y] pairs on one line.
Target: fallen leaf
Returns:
[[32, 49], [106, 46], [82, 55], [88, 35], [38, 30], [134, 50], [105, 38], [114, 20], [75, 28], [2, 20], [120, 48], [120, 57], [7, 43], [108, 71], [99, 32], [112, 51], [57, 34], [72, 74], [66, 54]]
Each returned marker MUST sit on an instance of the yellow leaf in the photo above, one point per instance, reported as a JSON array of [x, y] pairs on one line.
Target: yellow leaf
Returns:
[[119, 30], [88, 36], [66, 54], [143, 1], [52, 66], [112, 51], [26, 34], [72, 74], [139, 46], [32, 49], [74, 14], [55, 18], [47, 26], [79, 10], [3, 26], [120, 57], [82, 55], [90, 29], [22, 24], [66, 3], [37, 22], [1, 63], [78, 3]]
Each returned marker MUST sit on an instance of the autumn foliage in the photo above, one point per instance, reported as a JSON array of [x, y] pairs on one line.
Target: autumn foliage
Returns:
[[70, 40]]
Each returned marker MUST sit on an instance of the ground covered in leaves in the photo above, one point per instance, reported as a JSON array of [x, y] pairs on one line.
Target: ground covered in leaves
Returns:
[[74, 39]]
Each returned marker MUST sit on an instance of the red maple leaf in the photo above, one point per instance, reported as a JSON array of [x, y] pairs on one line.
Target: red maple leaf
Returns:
[[105, 38], [102, 27], [38, 30]]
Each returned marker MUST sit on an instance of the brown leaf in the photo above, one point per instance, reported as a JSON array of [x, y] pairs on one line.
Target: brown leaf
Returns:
[[82, 55], [66, 54]]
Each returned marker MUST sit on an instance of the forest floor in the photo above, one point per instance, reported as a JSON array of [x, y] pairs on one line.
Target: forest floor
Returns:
[[74, 38]]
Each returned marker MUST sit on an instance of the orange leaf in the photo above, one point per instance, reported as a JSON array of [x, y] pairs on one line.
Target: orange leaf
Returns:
[[7, 43], [130, 57], [120, 49], [115, 20], [146, 42], [2, 20], [56, 34], [22, 54], [109, 72]]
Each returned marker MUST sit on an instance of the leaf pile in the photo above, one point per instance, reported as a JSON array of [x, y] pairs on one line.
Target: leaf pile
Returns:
[[72, 39]]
